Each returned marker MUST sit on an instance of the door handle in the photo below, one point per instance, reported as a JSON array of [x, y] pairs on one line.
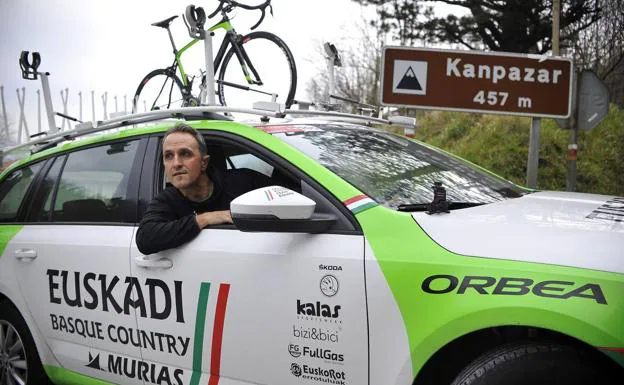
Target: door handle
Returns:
[[149, 263], [25, 254]]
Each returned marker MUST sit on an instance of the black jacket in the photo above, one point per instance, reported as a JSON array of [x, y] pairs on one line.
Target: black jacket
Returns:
[[169, 220]]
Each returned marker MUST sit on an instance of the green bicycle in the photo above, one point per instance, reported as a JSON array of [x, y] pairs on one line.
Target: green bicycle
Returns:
[[162, 88]]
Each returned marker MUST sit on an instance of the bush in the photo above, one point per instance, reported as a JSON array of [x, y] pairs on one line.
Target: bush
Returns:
[[501, 144]]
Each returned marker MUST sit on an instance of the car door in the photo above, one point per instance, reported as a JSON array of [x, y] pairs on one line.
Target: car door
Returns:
[[73, 260], [261, 308]]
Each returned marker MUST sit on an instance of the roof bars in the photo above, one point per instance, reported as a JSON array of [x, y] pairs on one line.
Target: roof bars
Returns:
[[264, 109]]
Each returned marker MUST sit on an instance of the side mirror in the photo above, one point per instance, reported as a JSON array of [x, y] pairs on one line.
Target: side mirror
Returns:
[[278, 209]]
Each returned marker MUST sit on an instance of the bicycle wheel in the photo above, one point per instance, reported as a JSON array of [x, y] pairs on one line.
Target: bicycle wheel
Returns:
[[273, 63], [160, 89]]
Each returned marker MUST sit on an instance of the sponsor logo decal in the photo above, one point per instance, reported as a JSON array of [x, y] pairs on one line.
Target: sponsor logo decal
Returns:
[[315, 334], [151, 299], [443, 284], [294, 350], [329, 285], [318, 311], [359, 203], [94, 362], [611, 210], [96, 292], [295, 369], [326, 355], [319, 374], [330, 267], [137, 369]]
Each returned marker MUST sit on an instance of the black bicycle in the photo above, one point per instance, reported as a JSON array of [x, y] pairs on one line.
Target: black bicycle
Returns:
[[272, 73]]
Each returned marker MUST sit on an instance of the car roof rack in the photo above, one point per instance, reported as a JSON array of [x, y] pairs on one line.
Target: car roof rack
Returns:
[[263, 109]]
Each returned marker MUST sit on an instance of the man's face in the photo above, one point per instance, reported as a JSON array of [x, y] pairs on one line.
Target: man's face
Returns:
[[183, 161]]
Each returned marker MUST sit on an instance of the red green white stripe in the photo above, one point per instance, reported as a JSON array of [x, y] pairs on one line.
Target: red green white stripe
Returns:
[[217, 333], [359, 203]]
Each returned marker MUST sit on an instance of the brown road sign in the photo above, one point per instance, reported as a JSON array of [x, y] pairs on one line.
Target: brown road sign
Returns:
[[489, 82]]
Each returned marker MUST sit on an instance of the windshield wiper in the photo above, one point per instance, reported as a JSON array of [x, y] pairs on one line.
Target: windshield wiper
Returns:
[[413, 207]]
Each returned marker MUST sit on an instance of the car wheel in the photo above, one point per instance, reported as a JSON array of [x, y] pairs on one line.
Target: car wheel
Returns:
[[19, 360], [535, 364]]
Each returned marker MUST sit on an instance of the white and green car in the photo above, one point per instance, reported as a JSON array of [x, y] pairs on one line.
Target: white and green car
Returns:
[[349, 271]]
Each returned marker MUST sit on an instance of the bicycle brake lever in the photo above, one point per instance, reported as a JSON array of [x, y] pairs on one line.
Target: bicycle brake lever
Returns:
[[271, 10]]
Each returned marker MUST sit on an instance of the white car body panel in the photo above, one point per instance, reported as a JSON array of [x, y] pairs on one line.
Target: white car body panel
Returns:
[[267, 274], [90, 249], [10, 288], [390, 359], [544, 227]]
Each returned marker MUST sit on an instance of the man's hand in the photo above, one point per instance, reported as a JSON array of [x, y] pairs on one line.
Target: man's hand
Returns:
[[213, 218]]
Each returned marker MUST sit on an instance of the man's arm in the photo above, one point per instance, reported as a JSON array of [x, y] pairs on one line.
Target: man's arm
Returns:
[[167, 223]]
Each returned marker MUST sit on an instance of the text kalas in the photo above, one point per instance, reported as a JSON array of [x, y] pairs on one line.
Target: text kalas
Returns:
[[152, 299]]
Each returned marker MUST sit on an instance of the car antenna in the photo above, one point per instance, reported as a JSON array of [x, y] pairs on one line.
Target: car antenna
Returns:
[[439, 203]]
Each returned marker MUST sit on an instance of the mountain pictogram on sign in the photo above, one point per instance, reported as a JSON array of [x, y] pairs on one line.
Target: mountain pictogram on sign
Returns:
[[409, 81], [409, 77]]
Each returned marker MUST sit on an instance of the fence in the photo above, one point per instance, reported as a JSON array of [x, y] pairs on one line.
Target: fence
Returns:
[[112, 106]]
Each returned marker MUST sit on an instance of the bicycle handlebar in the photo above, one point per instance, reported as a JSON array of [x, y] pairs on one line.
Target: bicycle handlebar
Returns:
[[231, 4]]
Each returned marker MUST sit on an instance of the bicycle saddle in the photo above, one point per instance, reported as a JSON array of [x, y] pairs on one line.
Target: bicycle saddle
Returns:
[[165, 23]]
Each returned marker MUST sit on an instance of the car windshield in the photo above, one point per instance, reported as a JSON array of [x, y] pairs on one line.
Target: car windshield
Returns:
[[394, 171]]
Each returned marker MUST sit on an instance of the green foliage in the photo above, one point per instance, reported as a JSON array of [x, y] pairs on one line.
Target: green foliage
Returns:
[[501, 144]]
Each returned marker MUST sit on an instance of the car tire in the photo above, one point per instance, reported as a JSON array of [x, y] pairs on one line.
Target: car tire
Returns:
[[18, 353], [535, 364]]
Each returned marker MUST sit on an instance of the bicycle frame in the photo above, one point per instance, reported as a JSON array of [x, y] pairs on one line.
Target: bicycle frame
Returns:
[[229, 38]]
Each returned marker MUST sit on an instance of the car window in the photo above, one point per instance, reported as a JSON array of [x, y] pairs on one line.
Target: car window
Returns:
[[13, 189], [251, 162], [395, 171], [93, 186]]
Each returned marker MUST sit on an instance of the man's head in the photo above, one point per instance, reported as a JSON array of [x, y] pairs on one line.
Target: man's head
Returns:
[[184, 157]]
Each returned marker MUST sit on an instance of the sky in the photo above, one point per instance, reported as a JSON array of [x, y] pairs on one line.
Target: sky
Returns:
[[109, 45]]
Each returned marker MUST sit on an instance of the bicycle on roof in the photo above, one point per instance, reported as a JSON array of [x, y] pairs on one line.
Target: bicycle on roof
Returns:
[[265, 70]]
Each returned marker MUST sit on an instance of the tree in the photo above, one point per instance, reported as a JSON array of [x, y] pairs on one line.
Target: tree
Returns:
[[359, 77], [601, 47], [498, 25]]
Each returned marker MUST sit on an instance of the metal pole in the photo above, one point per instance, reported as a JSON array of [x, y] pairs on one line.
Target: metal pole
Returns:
[[556, 9], [332, 78], [22, 122], [116, 109], [47, 98], [64, 98], [38, 111], [4, 115], [534, 143], [210, 87], [104, 101], [573, 137], [80, 105], [93, 106]]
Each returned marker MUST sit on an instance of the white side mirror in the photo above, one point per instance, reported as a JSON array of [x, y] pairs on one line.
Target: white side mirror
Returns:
[[275, 201]]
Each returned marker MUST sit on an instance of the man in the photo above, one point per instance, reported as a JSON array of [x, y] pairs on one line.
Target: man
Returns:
[[198, 195]]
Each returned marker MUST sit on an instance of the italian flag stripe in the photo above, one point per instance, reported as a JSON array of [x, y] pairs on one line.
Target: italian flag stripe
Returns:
[[359, 203], [354, 199], [363, 207], [217, 334], [200, 322]]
